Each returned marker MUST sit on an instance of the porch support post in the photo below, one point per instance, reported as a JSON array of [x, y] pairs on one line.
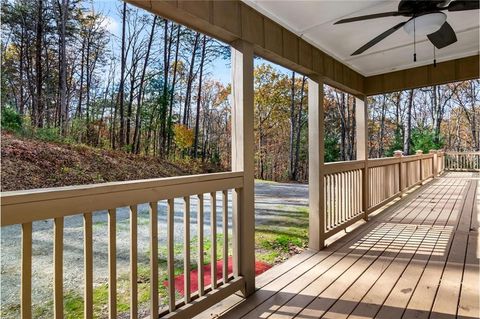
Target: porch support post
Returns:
[[361, 121], [243, 160], [316, 152]]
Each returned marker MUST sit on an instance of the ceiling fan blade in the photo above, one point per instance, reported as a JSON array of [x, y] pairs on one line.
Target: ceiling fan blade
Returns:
[[462, 5], [369, 16], [379, 38], [443, 37]]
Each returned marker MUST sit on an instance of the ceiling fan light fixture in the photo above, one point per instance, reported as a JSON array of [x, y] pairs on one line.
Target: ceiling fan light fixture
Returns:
[[425, 24]]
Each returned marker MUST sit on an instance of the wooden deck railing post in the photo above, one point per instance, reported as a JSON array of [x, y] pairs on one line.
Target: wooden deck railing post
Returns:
[[399, 155], [243, 160], [434, 163], [361, 120], [316, 220], [420, 154]]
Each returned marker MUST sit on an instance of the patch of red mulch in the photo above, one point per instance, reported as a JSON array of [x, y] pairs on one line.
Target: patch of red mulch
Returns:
[[260, 267]]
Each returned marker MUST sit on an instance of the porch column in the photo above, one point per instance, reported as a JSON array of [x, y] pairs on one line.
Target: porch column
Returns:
[[316, 150], [361, 120], [243, 160]]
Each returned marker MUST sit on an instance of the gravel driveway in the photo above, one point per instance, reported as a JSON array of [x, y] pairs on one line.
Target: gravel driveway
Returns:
[[271, 198]]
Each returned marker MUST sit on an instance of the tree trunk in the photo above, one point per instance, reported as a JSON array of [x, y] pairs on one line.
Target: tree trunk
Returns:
[[21, 107], [80, 92], [408, 133], [199, 96], [343, 126], [121, 89], [299, 130], [37, 114], [188, 94], [88, 80], [172, 93], [353, 130], [292, 129], [165, 95], [381, 151], [63, 68], [138, 123]]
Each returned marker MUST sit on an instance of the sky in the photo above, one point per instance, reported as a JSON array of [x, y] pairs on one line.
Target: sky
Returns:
[[219, 69]]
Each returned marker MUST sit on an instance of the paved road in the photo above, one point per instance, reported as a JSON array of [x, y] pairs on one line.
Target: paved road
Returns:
[[272, 201]]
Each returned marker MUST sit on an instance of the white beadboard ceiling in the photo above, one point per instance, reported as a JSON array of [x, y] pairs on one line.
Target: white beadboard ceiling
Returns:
[[313, 21]]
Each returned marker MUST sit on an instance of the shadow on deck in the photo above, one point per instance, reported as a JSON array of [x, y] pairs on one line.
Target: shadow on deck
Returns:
[[416, 259]]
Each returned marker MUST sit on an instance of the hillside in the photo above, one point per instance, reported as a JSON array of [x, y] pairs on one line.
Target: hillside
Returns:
[[28, 164]]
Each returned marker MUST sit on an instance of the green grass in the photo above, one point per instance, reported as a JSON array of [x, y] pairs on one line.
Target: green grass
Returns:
[[73, 303], [274, 240], [265, 181]]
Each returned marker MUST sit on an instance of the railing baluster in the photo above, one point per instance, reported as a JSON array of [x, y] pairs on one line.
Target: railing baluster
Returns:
[[345, 196], [357, 192], [325, 214], [26, 284], [360, 191], [186, 247], [213, 238], [331, 212], [343, 180], [153, 260], [88, 265], [170, 253], [350, 195], [337, 200], [354, 192], [58, 268], [328, 201], [342, 197], [225, 235], [112, 264], [200, 244], [133, 263]]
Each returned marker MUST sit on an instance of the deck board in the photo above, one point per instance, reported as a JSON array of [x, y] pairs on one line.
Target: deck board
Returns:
[[383, 274], [399, 296], [417, 249], [417, 259], [321, 302]]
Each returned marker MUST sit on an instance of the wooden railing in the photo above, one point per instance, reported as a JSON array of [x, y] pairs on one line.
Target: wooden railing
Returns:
[[343, 195], [25, 207], [462, 161], [353, 189]]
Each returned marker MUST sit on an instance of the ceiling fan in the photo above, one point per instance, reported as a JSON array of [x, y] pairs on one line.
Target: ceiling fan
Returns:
[[426, 18]]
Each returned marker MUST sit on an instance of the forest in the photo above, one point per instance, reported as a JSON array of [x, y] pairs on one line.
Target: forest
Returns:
[[146, 91], [153, 88]]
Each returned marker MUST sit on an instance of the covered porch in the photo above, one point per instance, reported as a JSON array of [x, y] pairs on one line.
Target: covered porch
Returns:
[[411, 222], [415, 259]]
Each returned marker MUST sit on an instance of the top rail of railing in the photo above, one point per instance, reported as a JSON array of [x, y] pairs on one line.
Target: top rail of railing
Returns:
[[30, 205]]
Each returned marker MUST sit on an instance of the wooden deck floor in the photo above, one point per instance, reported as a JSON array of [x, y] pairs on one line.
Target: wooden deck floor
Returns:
[[417, 259]]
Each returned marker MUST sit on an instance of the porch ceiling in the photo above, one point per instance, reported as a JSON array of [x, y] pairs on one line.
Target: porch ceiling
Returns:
[[313, 21]]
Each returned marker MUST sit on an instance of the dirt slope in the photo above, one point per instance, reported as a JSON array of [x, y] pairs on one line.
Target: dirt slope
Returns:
[[28, 164]]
